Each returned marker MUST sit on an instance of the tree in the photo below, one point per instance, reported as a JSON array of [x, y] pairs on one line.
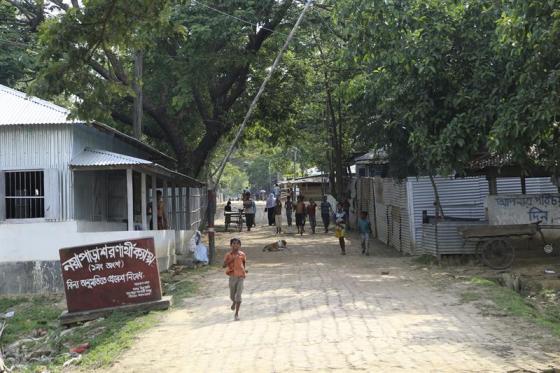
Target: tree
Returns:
[[197, 63], [428, 81], [17, 41]]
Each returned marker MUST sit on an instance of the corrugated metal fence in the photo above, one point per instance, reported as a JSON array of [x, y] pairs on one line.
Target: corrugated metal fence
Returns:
[[395, 207], [385, 200]]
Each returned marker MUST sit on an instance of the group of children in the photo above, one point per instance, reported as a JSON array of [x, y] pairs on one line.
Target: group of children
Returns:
[[340, 217]]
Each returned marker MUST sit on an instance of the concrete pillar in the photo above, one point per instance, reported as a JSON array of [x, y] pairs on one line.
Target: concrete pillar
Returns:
[[164, 195], [174, 206], [144, 201], [188, 209], [129, 200], [154, 202], [180, 218]]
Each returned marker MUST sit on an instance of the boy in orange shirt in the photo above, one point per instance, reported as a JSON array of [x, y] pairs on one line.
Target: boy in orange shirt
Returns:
[[235, 262]]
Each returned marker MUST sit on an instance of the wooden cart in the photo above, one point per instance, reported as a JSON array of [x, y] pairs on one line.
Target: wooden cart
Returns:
[[492, 241], [235, 219]]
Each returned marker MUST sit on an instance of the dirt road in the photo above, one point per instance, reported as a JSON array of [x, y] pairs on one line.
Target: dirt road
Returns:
[[311, 309]]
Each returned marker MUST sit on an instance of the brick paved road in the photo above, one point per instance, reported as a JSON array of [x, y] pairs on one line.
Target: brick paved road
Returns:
[[312, 309]]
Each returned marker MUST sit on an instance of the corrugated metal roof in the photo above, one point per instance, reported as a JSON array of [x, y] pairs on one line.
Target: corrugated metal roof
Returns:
[[377, 156], [16, 108], [95, 157], [319, 179]]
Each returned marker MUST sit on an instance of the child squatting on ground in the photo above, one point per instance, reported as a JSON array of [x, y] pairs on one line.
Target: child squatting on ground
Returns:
[[235, 262]]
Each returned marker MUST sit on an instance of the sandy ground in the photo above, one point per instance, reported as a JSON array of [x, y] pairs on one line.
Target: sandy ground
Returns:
[[311, 309]]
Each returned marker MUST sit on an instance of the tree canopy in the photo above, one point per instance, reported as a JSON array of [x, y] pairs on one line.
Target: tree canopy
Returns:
[[437, 83]]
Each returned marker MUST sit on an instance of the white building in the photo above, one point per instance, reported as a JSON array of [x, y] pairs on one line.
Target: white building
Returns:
[[68, 182]]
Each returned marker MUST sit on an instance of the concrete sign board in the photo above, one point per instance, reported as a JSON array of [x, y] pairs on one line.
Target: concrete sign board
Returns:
[[110, 274], [524, 209]]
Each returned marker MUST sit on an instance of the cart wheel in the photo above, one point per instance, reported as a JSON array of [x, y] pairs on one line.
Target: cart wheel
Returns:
[[497, 254], [479, 249]]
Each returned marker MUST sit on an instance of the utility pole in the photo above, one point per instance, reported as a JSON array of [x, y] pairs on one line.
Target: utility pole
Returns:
[[213, 183]]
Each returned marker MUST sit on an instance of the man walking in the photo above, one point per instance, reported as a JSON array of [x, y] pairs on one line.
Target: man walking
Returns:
[[326, 211], [289, 209], [235, 262]]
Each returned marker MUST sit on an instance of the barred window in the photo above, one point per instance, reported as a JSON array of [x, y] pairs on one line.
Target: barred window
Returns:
[[25, 194]]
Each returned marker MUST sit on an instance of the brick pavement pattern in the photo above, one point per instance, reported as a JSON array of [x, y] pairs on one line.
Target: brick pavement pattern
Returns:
[[311, 309]]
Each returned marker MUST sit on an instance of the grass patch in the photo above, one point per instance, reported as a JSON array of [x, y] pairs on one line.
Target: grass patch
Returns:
[[118, 335], [512, 303], [30, 314], [425, 259], [469, 296], [107, 337], [482, 281]]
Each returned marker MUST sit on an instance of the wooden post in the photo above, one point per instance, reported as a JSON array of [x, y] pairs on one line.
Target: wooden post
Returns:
[[154, 203], [129, 199], [523, 185], [144, 201]]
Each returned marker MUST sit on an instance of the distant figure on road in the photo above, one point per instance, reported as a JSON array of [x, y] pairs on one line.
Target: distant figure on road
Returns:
[[227, 209], [278, 215], [364, 228], [248, 210], [346, 208], [311, 209], [270, 208], [300, 214], [326, 212], [235, 261], [340, 221], [254, 213], [276, 190], [289, 209]]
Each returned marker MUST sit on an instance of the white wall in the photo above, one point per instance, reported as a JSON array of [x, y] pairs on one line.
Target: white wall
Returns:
[[41, 241]]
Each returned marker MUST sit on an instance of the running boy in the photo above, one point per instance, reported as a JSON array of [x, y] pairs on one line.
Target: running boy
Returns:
[[235, 262]]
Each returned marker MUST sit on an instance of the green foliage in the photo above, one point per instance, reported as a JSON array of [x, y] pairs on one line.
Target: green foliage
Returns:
[[234, 180], [430, 69], [17, 44]]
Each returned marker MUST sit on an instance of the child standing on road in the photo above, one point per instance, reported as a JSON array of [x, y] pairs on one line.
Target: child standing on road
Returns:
[[235, 262], [289, 209], [326, 212], [278, 215], [339, 218], [311, 208], [364, 228], [300, 214]]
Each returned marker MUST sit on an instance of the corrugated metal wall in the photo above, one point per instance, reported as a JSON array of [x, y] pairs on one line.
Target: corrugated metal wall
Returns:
[[465, 197], [398, 207], [385, 200], [46, 146]]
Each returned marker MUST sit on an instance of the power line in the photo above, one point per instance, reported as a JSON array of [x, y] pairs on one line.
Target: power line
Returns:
[[238, 18]]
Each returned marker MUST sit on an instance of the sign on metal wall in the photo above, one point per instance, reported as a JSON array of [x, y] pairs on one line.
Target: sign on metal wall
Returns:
[[524, 209], [110, 274]]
